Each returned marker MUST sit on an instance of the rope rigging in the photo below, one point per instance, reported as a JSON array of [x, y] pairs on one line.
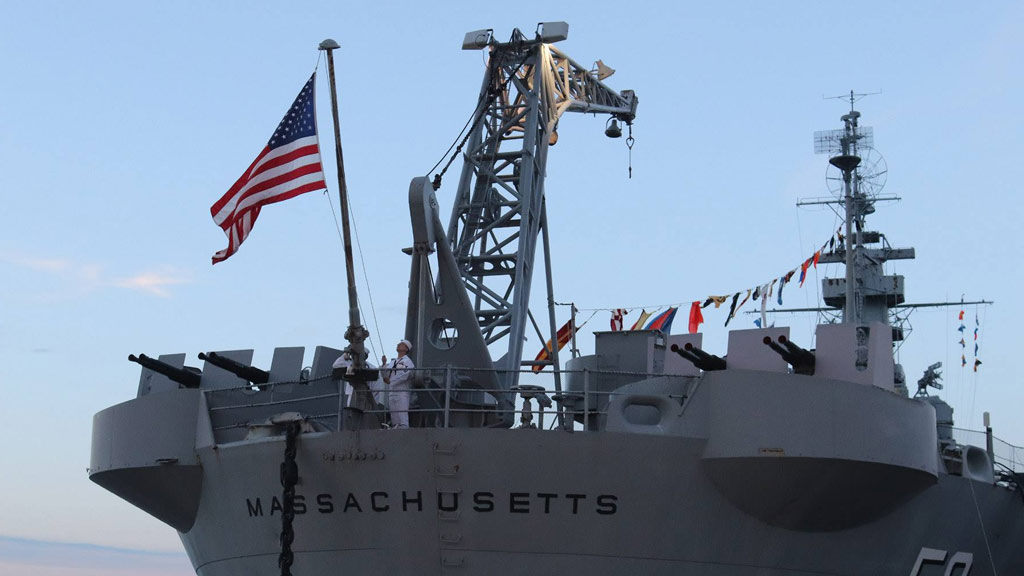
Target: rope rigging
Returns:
[[474, 119], [809, 265], [362, 262]]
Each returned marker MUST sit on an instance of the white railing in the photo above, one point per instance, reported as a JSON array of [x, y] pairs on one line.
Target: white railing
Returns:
[[568, 404]]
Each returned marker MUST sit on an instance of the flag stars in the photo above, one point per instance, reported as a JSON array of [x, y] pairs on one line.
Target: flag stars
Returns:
[[235, 213]]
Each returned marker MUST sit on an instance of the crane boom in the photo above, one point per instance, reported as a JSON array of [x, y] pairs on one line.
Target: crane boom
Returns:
[[499, 209]]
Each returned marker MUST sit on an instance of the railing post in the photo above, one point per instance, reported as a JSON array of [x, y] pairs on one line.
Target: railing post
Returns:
[[586, 399], [341, 403], [540, 418], [988, 439], [447, 395]]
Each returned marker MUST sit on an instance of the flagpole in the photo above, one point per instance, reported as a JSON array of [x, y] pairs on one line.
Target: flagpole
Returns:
[[356, 334], [575, 351]]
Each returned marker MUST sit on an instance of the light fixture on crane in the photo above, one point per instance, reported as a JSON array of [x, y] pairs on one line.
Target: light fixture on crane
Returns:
[[551, 32], [477, 39], [612, 128], [601, 70]]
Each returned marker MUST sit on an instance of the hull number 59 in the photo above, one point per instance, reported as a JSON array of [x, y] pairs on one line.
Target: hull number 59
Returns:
[[932, 556]]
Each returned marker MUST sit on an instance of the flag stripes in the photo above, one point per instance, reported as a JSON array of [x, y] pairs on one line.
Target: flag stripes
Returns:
[[287, 166]]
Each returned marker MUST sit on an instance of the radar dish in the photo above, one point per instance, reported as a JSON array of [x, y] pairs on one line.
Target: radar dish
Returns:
[[869, 178], [831, 141]]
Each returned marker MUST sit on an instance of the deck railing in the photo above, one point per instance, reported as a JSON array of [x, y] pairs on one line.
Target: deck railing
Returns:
[[1004, 453], [567, 404], [587, 403]]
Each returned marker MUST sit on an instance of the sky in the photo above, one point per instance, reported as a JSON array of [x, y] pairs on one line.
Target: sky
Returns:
[[121, 123]]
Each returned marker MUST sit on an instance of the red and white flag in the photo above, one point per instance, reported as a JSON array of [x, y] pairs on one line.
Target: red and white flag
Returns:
[[617, 317], [287, 166]]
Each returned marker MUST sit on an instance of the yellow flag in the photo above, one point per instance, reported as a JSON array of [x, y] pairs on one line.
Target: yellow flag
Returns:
[[639, 324]]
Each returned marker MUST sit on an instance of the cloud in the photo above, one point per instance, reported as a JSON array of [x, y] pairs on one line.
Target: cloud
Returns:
[[43, 265], [85, 277], [154, 283], [42, 558]]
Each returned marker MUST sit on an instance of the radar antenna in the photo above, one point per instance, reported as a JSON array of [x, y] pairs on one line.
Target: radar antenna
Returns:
[[855, 183]]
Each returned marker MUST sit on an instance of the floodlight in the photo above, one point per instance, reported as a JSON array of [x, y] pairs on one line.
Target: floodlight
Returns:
[[477, 39], [550, 32]]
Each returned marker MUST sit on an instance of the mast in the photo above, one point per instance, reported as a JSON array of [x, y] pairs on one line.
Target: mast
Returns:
[[356, 334], [867, 294], [846, 141], [848, 162]]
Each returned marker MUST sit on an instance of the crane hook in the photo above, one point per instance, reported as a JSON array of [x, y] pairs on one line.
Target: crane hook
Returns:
[[629, 144]]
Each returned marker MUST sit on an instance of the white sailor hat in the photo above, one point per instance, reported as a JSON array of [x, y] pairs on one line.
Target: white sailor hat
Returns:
[[408, 345]]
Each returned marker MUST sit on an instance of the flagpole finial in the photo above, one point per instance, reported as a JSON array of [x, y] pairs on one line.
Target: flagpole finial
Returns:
[[329, 44]]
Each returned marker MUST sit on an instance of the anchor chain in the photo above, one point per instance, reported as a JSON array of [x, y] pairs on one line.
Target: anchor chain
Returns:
[[289, 478]]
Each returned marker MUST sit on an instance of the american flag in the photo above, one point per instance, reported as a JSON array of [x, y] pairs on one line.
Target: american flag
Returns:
[[287, 166]]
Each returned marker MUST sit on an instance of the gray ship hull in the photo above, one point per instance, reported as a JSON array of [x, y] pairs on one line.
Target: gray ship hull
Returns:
[[443, 501], [732, 473]]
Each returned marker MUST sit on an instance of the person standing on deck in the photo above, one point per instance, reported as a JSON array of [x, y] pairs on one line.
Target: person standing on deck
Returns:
[[398, 376], [376, 386]]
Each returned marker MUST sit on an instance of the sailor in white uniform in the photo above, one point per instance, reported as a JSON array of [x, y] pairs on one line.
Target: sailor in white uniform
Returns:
[[397, 376], [376, 386]]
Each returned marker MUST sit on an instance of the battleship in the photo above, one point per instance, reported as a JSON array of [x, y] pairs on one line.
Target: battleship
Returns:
[[650, 456]]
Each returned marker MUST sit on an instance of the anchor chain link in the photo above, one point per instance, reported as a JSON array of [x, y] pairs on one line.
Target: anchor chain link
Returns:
[[289, 478]]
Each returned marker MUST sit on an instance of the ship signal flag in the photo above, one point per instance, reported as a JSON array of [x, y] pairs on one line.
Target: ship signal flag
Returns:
[[639, 324], [565, 334], [287, 166], [663, 321], [696, 317], [617, 319]]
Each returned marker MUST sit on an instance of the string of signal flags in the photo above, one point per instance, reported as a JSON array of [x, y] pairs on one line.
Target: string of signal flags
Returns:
[[762, 292], [662, 320], [963, 334]]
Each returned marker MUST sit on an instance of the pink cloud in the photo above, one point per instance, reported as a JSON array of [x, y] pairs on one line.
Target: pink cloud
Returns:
[[41, 558]]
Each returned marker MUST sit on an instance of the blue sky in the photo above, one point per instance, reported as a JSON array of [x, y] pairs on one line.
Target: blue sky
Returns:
[[121, 123]]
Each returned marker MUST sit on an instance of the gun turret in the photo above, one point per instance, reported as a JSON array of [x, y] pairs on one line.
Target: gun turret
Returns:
[[250, 373], [187, 377], [802, 360], [699, 358]]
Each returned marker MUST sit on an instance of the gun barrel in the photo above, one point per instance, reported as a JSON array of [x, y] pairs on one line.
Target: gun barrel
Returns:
[[708, 362], [801, 360], [250, 373], [179, 375], [686, 355], [803, 356], [778, 349]]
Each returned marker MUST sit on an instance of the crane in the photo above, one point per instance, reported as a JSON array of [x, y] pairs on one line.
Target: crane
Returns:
[[470, 320]]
